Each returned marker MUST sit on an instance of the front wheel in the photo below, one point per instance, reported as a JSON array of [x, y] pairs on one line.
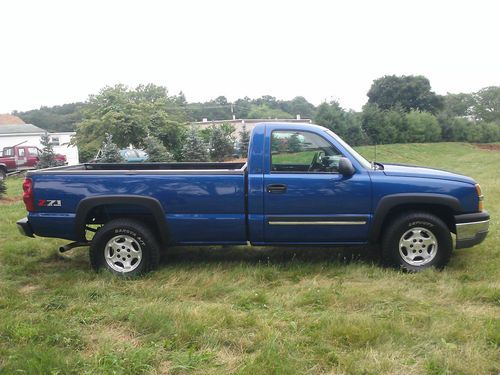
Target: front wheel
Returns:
[[125, 247], [416, 241]]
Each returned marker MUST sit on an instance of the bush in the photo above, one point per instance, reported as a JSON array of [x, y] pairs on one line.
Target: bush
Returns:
[[194, 149], [422, 127], [221, 142], [3, 188], [156, 151]]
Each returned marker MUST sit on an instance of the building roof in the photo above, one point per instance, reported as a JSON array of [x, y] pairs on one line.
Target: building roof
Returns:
[[7, 119], [20, 129]]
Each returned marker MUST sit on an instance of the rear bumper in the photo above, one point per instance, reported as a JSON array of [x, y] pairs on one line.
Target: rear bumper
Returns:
[[24, 227], [472, 229]]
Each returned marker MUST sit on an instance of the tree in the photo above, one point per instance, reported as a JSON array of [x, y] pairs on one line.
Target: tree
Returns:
[[47, 157], [156, 151], [194, 148], [221, 142], [294, 143], [130, 115], [382, 126], [264, 111], [59, 118], [407, 92], [244, 140], [487, 104], [461, 105], [109, 151]]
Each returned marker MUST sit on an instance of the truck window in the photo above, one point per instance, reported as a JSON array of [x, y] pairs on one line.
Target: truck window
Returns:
[[302, 152], [33, 151], [20, 152], [8, 151]]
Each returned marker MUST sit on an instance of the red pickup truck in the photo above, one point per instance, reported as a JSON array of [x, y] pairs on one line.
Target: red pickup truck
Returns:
[[18, 158]]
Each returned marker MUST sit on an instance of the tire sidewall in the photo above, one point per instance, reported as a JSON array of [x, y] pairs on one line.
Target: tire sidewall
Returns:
[[429, 222], [111, 230]]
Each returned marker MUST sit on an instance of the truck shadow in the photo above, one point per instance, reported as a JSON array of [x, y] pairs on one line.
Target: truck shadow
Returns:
[[273, 255]]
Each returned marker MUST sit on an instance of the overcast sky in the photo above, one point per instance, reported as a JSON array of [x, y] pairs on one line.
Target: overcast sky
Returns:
[[56, 52]]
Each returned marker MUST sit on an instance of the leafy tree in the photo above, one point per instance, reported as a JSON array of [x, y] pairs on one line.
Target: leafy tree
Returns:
[[346, 125], [109, 151], [407, 92], [298, 106], [156, 151], [458, 104], [59, 118], [47, 157], [244, 140], [221, 142], [384, 126], [130, 115], [194, 148], [487, 104]]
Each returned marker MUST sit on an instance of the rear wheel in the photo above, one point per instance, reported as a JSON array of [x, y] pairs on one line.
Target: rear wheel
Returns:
[[3, 174], [125, 247], [416, 241]]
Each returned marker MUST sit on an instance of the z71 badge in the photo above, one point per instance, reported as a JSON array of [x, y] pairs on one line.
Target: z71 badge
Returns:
[[49, 203]]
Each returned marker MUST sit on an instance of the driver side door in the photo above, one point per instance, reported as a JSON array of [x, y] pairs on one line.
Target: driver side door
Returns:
[[306, 200]]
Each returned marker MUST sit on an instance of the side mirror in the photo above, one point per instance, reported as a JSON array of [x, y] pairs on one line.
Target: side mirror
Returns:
[[345, 167]]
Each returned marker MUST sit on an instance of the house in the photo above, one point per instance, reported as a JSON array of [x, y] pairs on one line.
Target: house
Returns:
[[14, 131]]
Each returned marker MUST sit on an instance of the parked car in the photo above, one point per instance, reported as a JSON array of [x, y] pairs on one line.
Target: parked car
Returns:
[[19, 158], [132, 155], [303, 185], [129, 155]]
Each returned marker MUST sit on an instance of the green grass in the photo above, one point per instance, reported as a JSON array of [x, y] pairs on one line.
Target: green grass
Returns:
[[256, 311]]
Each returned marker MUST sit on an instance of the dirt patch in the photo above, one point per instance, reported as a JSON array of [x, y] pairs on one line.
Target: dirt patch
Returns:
[[27, 289], [9, 200], [488, 146], [110, 334]]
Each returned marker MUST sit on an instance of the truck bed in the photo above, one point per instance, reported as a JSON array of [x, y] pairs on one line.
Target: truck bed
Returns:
[[202, 202]]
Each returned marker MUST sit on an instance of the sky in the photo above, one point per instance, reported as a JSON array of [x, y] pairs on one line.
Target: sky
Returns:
[[56, 52]]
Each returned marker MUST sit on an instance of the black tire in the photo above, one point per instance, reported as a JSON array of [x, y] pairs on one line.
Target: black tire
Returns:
[[3, 174], [424, 256], [140, 250]]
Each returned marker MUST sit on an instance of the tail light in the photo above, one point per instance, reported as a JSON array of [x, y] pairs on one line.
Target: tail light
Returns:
[[480, 197], [28, 199]]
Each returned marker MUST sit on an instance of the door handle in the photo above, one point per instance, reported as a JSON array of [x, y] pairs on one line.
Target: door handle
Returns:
[[276, 188]]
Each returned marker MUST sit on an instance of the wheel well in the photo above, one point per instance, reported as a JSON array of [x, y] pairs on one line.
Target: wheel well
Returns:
[[445, 213], [103, 213]]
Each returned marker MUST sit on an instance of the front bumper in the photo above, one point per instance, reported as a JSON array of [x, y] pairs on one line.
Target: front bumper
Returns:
[[471, 228], [24, 227]]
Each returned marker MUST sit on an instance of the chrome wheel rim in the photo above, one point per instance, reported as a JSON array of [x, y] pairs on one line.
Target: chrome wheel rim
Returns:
[[418, 246], [123, 253]]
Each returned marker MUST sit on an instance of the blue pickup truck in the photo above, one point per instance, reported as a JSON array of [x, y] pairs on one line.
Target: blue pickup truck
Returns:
[[302, 185]]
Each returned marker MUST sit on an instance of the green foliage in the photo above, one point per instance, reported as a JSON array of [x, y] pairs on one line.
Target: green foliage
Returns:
[[346, 124], [47, 157], [244, 140], [59, 118], [221, 142], [156, 151], [130, 115], [194, 149], [407, 92], [422, 127], [109, 151], [294, 143], [264, 111], [487, 104], [3, 188]]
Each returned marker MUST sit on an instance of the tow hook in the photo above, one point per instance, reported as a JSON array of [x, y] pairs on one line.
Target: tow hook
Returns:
[[72, 245]]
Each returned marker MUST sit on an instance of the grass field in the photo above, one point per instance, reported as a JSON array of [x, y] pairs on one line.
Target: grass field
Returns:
[[256, 311]]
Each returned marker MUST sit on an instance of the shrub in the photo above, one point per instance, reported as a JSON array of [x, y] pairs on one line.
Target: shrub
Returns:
[[110, 152], [194, 148], [156, 151], [47, 157]]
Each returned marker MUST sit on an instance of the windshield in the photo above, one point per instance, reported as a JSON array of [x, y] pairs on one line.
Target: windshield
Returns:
[[361, 160]]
